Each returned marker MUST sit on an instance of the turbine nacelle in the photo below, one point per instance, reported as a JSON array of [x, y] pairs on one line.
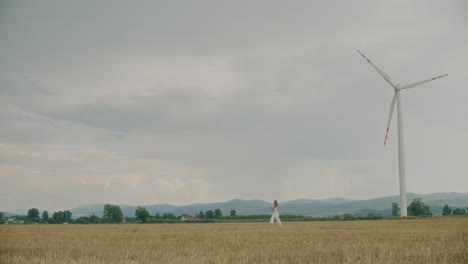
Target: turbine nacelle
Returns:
[[397, 87]]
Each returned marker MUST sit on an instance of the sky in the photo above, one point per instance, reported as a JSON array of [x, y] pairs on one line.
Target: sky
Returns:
[[181, 102]]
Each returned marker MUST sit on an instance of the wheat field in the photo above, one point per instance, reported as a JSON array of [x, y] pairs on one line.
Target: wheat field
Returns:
[[432, 240]]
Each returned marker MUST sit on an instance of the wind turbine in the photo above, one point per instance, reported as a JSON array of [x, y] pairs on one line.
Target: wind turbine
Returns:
[[401, 153]]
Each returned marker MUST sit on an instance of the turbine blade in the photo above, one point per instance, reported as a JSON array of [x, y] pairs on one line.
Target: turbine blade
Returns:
[[383, 74], [392, 107], [411, 85]]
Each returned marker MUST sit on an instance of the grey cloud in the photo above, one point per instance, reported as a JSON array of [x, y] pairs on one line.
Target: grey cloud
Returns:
[[290, 97]]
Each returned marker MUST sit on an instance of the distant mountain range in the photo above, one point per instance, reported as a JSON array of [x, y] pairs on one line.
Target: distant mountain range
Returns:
[[307, 207]]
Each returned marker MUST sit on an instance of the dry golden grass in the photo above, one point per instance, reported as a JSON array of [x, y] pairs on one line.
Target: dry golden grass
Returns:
[[434, 240]]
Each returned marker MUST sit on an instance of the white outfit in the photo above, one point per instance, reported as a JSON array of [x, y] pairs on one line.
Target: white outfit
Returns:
[[275, 215]]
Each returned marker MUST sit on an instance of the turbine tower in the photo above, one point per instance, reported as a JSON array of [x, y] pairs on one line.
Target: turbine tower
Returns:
[[401, 153]]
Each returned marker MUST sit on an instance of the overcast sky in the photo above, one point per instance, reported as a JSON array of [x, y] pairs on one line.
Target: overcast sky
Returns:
[[150, 102]]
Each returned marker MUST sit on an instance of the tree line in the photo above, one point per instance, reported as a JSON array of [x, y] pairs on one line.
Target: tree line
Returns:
[[111, 214], [419, 208], [34, 216], [114, 214], [447, 210], [143, 216]]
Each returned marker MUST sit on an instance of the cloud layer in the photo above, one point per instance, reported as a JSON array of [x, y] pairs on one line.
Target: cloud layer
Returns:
[[156, 102]]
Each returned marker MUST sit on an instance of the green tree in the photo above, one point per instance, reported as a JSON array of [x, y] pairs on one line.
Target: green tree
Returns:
[[142, 214], [33, 213], [94, 219], [169, 216], [218, 214], [1, 218], [447, 210], [209, 214], [45, 216], [82, 220], [112, 214], [418, 208], [201, 215], [233, 213], [459, 211], [58, 217], [347, 216], [67, 216], [395, 209], [157, 216]]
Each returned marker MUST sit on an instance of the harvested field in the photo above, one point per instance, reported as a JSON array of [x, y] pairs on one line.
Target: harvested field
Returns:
[[431, 240]]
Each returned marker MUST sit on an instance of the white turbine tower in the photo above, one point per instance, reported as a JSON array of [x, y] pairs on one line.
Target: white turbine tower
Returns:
[[401, 153]]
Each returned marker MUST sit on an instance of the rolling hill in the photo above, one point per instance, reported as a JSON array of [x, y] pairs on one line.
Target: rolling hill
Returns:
[[308, 207]]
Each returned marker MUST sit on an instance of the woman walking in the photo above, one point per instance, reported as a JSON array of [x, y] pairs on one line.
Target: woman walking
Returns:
[[275, 214]]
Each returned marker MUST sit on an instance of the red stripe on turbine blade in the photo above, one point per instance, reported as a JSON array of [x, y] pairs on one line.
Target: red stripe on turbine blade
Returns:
[[364, 56], [361, 54], [440, 76], [386, 136]]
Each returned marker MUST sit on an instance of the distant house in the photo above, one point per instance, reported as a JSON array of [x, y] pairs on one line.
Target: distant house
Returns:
[[124, 220], [14, 221], [189, 218]]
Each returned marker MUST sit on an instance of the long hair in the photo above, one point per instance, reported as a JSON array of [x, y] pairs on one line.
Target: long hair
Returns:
[[275, 203]]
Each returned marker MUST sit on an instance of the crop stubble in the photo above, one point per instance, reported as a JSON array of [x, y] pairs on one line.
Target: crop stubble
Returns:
[[432, 240]]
